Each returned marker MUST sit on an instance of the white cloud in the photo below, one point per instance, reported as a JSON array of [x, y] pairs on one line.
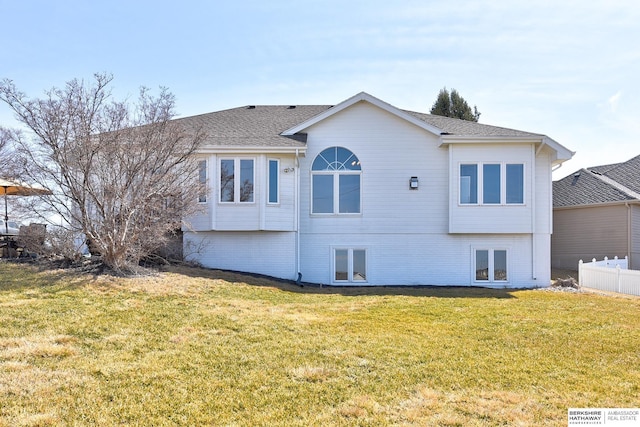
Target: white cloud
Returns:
[[613, 101]]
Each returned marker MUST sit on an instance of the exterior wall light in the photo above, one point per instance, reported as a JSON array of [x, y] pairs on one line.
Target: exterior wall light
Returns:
[[413, 183]]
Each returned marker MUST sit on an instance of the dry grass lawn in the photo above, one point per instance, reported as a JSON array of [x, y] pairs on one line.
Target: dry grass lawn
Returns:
[[197, 347]]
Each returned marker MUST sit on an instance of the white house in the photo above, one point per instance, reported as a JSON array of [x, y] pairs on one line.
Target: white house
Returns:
[[364, 193]]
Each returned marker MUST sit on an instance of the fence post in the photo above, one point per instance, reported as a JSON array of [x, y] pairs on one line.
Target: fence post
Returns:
[[580, 277], [618, 277]]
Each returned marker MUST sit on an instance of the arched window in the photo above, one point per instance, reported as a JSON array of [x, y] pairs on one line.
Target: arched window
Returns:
[[335, 180]]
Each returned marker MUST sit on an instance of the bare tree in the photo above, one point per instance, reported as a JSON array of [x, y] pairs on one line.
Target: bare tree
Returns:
[[122, 173], [7, 159]]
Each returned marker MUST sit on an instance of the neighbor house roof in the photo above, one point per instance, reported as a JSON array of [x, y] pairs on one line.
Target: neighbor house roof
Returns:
[[283, 126], [616, 183]]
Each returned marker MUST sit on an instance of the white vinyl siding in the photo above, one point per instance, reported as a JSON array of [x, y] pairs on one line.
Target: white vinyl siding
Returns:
[[406, 232], [440, 259], [247, 216], [244, 251], [412, 237], [493, 189], [381, 142]]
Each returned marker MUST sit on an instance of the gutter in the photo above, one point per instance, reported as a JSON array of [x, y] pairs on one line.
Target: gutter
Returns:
[[597, 205], [249, 150]]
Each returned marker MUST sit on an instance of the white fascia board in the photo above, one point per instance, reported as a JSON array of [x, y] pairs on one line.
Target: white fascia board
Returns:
[[562, 153], [461, 139], [362, 96], [253, 150]]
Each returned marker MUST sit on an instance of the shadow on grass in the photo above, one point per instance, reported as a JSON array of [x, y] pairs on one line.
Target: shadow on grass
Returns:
[[18, 275], [64, 279], [312, 288]]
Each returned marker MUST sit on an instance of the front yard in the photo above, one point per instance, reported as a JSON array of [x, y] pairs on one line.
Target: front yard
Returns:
[[197, 347]]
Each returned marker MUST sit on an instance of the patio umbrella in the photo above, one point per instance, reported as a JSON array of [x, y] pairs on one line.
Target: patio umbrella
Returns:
[[17, 188]]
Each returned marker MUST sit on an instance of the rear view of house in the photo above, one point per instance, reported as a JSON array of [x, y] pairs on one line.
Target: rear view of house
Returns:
[[364, 193], [597, 214]]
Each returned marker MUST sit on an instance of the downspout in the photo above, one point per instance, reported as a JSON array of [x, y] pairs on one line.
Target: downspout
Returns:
[[532, 174], [557, 167], [629, 260], [296, 177]]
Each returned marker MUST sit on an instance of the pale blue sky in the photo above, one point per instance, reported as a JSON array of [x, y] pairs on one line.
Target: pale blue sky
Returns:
[[568, 69]]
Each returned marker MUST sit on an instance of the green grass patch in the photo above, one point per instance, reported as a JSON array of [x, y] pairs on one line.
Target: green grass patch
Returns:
[[198, 347]]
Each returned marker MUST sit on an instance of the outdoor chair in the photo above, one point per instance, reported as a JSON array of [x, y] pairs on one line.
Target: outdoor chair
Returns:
[[30, 240]]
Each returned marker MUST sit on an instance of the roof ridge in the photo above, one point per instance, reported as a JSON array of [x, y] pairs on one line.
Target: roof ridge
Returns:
[[610, 167], [615, 166], [615, 184]]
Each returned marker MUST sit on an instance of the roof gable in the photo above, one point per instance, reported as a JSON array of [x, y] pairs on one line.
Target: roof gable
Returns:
[[363, 97], [280, 128]]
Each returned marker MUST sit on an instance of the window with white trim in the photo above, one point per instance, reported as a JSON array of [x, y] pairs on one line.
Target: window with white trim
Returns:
[[335, 182], [202, 181], [274, 181], [237, 177], [491, 183], [350, 265], [491, 265]]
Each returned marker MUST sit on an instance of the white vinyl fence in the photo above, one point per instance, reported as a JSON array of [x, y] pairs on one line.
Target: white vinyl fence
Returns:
[[610, 275]]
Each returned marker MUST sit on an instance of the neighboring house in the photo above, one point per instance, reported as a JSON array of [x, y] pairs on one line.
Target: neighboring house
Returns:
[[363, 193], [596, 213]]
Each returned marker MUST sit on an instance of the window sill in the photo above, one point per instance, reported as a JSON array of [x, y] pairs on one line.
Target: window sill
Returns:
[[330, 215], [477, 205]]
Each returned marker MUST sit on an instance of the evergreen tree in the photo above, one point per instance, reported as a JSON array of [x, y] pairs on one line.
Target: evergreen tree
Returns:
[[453, 105]]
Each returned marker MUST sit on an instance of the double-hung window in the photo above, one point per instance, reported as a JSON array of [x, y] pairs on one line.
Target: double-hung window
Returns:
[[335, 182], [491, 183], [237, 179], [491, 265]]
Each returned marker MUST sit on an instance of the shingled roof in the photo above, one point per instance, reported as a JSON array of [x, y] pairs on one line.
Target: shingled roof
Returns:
[[253, 125], [262, 126], [618, 182], [451, 126]]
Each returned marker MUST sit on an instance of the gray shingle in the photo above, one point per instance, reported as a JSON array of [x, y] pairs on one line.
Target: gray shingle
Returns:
[[451, 126], [261, 125], [619, 182], [253, 126], [627, 174]]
